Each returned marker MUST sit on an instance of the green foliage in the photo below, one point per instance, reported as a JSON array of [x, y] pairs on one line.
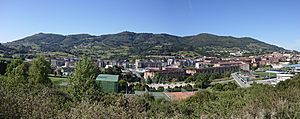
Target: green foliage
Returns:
[[38, 71], [17, 71], [224, 87], [27, 100], [3, 66], [294, 82], [160, 89], [82, 82], [140, 87], [58, 80], [202, 81], [123, 85], [31, 101], [13, 65], [116, 70], [19, 74], [188, 87]]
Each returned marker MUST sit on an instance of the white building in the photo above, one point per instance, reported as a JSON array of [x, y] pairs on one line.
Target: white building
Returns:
[[283, 77]]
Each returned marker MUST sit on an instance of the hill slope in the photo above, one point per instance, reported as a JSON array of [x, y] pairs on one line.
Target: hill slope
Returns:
[[5, 49], [127, 44]]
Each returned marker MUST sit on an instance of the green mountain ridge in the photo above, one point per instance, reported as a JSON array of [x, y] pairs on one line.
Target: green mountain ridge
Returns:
[[126, 44]]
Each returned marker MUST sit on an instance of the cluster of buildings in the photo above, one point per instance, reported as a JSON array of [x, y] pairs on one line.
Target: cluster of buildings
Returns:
[[63, 66], [198, 66], [177, 67], [172, 67]]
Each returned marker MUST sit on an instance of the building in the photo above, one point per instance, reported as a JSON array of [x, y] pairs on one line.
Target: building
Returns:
[[192, 71], [169, 72], [109, 83], [203, 65], [243, 66], [283, 77], [170, 62], [66, 71], [57, 62], [184, 63], [149, 64]]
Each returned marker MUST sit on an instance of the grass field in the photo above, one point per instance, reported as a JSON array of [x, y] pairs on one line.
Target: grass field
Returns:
[[264, 74], [8, 59], [58, 80], [156, 95]]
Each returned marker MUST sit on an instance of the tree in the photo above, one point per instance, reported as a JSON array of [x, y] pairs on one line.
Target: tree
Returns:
[[230, 86], [116, 70], [214, 76], [13, 65], [3, 66], [188, 87], [19, 74], [39, 70], [218, 87], [82, 83], [123, 85], [190, 79], [160, 89], [202, 81], [17, 71]]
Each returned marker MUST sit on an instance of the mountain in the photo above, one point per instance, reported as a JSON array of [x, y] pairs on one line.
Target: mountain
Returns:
[[5, 49], [130, 44]]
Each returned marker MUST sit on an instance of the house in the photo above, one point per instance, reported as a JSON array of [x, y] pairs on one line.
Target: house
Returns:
[[243, 66], [149, 63], [108, 83], [192, 71], [66, 71], [184, 63], [57, 62], [168, 72]]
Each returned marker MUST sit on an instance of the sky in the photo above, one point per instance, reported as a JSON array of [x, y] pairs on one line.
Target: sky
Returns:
[[273, 21]]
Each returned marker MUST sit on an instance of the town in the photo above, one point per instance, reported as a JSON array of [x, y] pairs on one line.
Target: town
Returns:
[[175, 78]]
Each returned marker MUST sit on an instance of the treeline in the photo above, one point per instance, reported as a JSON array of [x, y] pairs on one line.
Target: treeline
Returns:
[[25, 92]]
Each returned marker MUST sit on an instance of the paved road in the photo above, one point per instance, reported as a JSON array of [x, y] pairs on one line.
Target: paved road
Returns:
[[240, 81]]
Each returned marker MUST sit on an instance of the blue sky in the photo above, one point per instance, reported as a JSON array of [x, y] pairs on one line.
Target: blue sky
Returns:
[[272, 21]]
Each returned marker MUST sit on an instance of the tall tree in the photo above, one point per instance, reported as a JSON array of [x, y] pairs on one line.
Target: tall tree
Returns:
[[82, 83], [19, 74], [39, 70], [3, 66], [17, 71], [13, 65]]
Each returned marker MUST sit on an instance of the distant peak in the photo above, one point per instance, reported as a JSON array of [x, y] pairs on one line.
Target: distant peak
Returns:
[[42, 33], [205, 34], [127, 32]]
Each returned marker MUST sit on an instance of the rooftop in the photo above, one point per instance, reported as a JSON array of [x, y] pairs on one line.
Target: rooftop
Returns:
[[107, 77]]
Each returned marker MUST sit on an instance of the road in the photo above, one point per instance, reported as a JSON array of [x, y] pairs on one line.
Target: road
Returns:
[[240, 80]]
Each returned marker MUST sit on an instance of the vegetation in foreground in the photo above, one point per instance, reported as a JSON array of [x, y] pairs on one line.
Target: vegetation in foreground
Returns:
[[27, 92]]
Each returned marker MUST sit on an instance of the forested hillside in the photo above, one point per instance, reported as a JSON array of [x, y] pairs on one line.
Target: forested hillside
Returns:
[[4, 49], [126, 44]]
